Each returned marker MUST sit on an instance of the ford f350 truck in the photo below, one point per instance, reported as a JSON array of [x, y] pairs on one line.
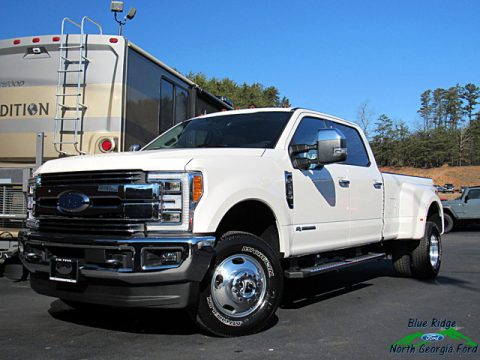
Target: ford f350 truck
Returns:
[[216, 212]]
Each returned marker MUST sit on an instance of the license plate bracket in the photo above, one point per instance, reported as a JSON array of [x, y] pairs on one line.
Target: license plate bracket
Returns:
[[63, 269]]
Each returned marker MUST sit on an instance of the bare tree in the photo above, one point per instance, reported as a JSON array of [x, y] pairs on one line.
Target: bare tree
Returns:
[[364, 117]]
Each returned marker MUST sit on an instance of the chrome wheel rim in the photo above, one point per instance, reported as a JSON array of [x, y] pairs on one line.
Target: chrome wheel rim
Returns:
[[238, 285], [434, 250]]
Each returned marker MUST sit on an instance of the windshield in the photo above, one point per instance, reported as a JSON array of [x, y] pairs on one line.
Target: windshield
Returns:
[[253, 130]]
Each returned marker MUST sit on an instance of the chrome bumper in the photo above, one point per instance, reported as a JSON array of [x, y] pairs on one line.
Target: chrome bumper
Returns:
[[37, 251], [124, 282]]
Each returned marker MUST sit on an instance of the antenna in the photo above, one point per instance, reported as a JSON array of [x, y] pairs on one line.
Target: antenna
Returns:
[[117, 7]]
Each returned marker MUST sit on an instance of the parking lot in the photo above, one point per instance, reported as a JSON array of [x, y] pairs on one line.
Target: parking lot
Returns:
[[353, 314]]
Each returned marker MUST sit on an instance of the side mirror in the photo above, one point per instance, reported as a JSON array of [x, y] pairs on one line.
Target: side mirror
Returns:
[[331, 146], [134, 147]]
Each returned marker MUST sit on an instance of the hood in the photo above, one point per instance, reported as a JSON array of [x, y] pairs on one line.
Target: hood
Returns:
[[153, 160]]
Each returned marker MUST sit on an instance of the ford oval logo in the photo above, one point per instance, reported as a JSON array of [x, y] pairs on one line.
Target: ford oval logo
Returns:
[[432, 337], [72, 202]]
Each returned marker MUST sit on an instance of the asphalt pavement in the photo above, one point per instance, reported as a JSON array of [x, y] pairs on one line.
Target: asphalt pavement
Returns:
[[358, 313]]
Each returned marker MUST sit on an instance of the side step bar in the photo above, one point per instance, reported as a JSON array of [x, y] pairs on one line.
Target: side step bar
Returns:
[[300, 273]]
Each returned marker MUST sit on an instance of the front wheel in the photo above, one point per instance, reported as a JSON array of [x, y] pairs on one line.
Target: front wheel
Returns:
[[243, 288]]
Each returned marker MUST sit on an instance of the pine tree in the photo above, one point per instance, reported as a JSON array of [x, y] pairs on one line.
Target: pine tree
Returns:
[[243, 96], [470, 94], [426, 109]]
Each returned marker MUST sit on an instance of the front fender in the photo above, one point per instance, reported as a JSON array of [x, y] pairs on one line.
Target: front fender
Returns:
[[227, 184]]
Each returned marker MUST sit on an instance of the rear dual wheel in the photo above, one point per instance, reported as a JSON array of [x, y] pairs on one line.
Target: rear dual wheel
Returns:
[[419, 258], [427, 256]]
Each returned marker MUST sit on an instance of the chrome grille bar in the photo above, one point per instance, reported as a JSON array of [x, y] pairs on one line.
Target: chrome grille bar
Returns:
[[94, 177]]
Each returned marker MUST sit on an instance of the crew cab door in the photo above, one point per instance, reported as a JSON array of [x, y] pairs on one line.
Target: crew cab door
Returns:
[[321, 199], [365, 183]]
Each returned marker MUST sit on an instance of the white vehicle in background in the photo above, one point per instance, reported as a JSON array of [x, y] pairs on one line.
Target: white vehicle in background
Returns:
[[213, 215], [73, 94]]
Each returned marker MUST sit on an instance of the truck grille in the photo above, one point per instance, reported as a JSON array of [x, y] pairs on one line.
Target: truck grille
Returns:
[[13, 205], [110, 202], [96, 178], [88, 226]]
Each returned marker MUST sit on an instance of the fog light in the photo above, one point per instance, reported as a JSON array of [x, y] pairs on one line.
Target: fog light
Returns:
[[172, 217], [161, 258]]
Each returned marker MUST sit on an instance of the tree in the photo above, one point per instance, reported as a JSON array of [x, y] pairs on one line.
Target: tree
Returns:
[[243, 96], [426, 109], [383, 141], [401, 136], [453, 107], [470, 94], [438, 104], [364, 117]]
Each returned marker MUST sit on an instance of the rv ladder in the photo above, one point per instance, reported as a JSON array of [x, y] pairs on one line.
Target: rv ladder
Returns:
[[69, 115]]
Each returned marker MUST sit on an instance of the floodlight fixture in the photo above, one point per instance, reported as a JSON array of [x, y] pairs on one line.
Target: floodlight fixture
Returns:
[[131, 14], [117, 7]]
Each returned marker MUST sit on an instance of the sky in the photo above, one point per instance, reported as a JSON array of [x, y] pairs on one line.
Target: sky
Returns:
[[326, 55]]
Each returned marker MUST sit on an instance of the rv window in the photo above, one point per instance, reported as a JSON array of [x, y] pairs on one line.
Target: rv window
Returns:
[[142, 105], [166, 105], [181, 104]]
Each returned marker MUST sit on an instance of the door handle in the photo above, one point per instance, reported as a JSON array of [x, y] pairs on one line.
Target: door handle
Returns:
[[344, 183], [377, 184]]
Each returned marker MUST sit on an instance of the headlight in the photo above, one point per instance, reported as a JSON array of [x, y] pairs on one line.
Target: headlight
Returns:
[[177, 195]]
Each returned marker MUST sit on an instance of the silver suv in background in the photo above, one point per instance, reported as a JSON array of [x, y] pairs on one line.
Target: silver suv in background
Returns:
[[463, 211]]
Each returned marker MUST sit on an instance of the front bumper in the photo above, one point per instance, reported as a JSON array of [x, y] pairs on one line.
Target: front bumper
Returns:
[[112, 271]]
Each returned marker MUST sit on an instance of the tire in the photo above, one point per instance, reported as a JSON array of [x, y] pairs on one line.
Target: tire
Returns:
[[449, 223], [401, 258], [427, 256], [243, 302]]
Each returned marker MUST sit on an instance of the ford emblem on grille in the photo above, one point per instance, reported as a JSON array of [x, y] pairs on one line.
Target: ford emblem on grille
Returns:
[[73, 202]]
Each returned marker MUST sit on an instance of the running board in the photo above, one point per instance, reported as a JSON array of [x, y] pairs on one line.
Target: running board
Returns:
[[330, 266]]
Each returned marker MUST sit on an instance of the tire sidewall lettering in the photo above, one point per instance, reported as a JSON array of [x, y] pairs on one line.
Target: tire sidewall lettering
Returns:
[[221, 318], [262, 257]]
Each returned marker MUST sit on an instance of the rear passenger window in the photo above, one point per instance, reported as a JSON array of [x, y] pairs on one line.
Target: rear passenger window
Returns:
[[357, 154]]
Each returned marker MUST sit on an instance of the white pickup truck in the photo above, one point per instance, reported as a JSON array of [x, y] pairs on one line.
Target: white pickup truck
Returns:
[[216, 212]]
